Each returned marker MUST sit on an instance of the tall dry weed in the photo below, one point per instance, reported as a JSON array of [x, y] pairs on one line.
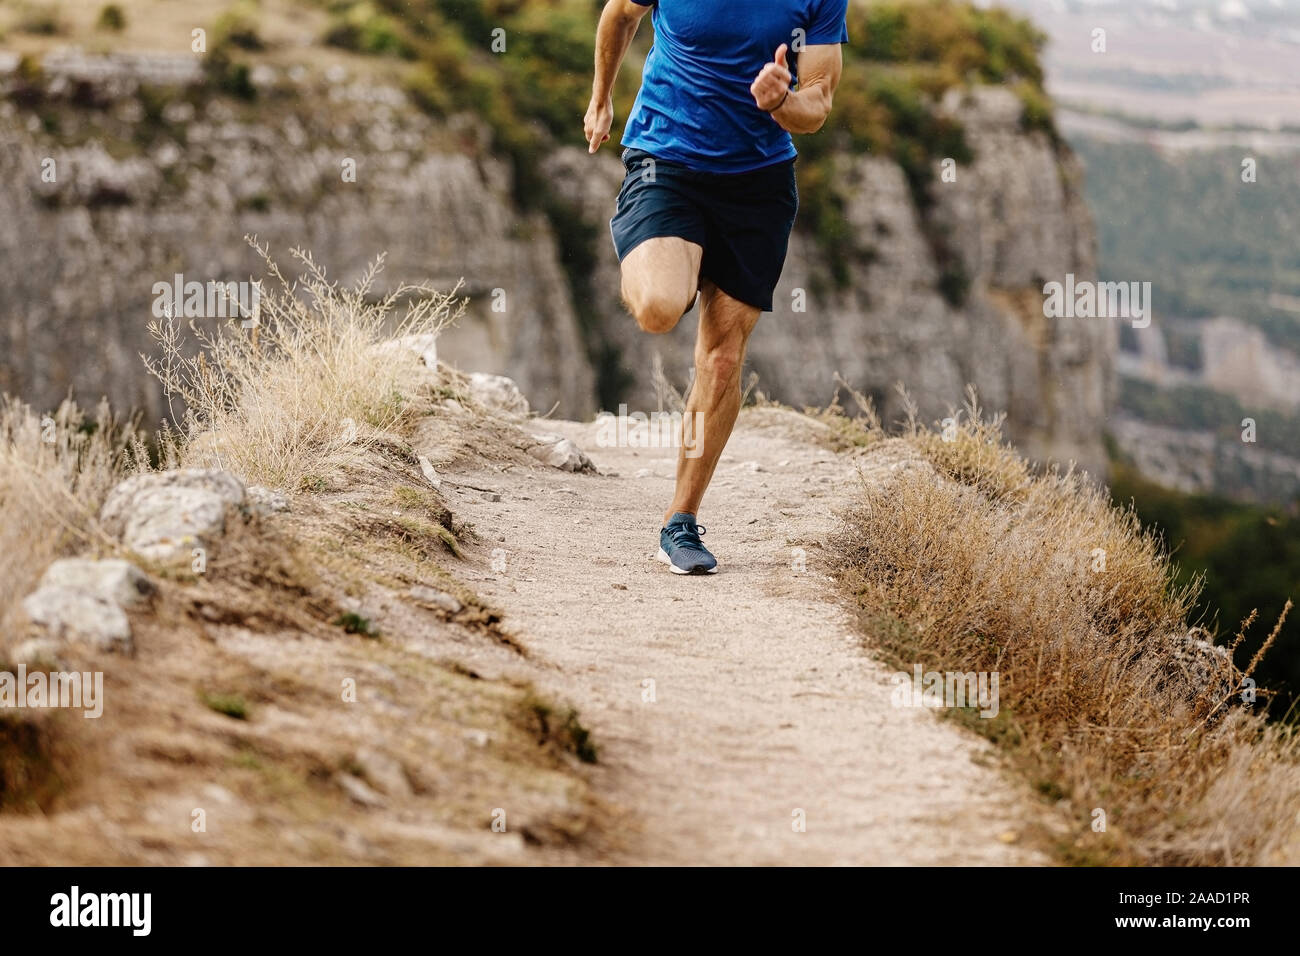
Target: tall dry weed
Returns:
[[291, 393], [54, 473]]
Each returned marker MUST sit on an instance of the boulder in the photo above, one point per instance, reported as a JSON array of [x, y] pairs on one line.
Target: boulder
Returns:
[[264, 501], [71, 614], [164, 515], [112, 579], [359, 790], [383, 771], [558, 452], [498, 393], [435, 598]]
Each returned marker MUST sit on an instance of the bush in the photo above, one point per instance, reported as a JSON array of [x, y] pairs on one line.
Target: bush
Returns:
[[363, 29], [42, 20], [111, 17], [295, 396], [237, 27], [1247, 555]]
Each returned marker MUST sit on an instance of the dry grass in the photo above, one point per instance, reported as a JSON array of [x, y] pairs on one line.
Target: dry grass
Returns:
[[960, 558], [295, 398], [54, 472]]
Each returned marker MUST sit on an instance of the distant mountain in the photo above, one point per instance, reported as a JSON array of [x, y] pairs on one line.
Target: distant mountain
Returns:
[[1214, 61], [1184, 114]]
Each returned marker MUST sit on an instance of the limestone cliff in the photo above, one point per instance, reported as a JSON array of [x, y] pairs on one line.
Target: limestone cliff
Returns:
[[147, 186], [144, 191]]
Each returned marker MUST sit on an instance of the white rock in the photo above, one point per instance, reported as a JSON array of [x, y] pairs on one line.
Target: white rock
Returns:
[[112, 579], [498, 392], [163, 515], [39, 650], [265, 501], [558, 452], [384, 771], [430, 473], [70, 614], [424, 345], [357, 789], [442, 599]]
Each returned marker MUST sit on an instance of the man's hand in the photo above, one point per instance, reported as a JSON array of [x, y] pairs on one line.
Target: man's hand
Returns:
[[772, 83], [618, 23], [596, 124], [803, 110]]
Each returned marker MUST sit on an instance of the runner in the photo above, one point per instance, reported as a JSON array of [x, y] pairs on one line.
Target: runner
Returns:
[[709, 198]]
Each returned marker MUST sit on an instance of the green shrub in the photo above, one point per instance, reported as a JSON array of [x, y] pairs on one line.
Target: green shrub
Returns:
[[41, 20], [363, 29], [232, 705], [237, 27], [111, 17]]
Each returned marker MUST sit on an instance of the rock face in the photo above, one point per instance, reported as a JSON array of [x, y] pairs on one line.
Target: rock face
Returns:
[[1204, 462], [1240, 360], [342, 169], [178, 190]]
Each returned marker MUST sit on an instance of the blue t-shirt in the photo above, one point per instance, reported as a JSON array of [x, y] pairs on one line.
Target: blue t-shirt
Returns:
[[695, 107]]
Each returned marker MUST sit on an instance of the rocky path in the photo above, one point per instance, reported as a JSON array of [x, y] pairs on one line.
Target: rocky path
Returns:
[[732, 707]]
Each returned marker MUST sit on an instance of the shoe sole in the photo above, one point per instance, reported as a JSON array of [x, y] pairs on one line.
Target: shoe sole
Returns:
[[663, 556]]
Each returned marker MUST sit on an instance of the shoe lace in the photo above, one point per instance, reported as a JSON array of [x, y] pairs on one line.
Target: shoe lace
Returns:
[[687, 535]]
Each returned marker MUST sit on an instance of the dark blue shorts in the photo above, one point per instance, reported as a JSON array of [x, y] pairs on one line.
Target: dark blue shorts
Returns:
[[741, 220]]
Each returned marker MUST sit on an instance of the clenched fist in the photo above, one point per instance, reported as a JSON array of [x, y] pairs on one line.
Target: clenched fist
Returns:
[[772, 84], [596, 124]]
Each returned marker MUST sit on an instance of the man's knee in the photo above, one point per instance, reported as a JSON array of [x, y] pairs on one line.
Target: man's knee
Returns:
[[657, 312], [722, 360]]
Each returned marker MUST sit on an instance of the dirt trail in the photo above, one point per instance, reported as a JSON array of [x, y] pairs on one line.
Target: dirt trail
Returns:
[[765, 700]]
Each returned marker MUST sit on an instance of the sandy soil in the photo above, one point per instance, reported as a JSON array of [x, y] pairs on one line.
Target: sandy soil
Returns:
[[765, 705]]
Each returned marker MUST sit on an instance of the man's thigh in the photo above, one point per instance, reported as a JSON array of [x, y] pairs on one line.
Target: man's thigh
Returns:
[[662, 266]]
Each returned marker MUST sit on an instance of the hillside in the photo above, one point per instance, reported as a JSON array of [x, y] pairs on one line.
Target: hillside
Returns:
[[440, 637]]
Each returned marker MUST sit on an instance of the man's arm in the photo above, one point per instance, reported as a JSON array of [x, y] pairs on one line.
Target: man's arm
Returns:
[[618, 23], [803, 110]]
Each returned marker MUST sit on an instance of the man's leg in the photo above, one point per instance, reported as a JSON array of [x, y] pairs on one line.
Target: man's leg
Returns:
[[714, 401], [660, 277]]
